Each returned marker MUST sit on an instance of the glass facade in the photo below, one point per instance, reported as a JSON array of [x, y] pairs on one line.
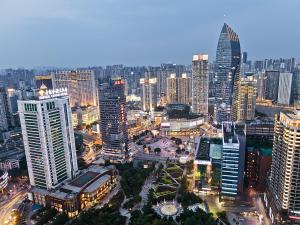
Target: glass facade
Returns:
[[113, 119], [228, 58]]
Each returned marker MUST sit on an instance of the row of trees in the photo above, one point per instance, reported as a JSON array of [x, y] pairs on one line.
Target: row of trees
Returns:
[[108, 215], [133, 179]]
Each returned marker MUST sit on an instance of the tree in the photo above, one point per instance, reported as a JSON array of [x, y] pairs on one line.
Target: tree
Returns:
[[18, 172], [178, 141], [178, 151], [46, 215], [157, 150], [60, 219]]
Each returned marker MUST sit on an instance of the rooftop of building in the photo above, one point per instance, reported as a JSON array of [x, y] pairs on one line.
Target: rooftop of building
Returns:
[[96, 184], [203, 150], [180, 111], [265, 151], [83, 179], [293, 115], [88, 181], [229, 135]]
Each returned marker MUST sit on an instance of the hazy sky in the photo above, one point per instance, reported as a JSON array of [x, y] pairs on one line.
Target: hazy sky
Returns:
[[141, 32]]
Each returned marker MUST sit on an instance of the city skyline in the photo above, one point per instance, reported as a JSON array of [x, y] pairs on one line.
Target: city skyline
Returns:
[[110, 32]]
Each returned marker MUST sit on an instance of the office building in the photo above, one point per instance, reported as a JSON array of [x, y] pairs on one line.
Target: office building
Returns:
[[264, 160], [83, 116], [161, 76], [272, 85], [261, 83], [233, 158], [296, 85], [48, 138], [251, 166], [172, 96], [247, 99], [227, 78], [200, 78], [5, 116], [259, 130], [184, 89], [149, 92], [282, 199], [86, 190], [43, 80], [285, 88], [81, 85], [113, 120]]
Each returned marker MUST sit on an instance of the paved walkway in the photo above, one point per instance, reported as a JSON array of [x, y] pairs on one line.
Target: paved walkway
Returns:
[[125, 212], [145, 190]]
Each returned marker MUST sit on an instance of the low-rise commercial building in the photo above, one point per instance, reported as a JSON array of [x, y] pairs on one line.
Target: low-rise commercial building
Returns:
[[85, 191], [181, 121]]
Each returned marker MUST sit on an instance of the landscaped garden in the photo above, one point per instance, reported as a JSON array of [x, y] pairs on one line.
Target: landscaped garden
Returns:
[[168, 182]]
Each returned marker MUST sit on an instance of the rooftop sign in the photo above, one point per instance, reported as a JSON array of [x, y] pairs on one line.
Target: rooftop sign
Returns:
[[59, 92]]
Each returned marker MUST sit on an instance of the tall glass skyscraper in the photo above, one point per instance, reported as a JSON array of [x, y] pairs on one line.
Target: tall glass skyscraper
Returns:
[[113, 120], [228, 60]]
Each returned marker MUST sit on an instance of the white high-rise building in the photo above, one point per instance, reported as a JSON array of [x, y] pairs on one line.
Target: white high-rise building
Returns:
[[200, 84], [149, 94], [48, 138], [285, 88], [184, 89], [172, 96], [284, 180]]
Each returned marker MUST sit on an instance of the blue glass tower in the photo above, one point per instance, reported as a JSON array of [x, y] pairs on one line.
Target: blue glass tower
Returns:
[[228, 60]]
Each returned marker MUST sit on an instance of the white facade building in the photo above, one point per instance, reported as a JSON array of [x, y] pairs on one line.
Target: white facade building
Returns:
[[200, 84], [149, 94], [285, 88], [48, 138]]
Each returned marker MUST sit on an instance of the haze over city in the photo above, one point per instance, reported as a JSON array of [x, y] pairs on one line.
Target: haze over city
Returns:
[[139, 112], [87, 33]]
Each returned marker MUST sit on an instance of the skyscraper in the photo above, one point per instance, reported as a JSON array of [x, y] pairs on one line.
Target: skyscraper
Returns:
[[149, 92], [48, 138], [184, 89], [200, 79], [81, 85], [261, 85], [247, 99], [284, 182], [172, 96], [113, 119], [233, 158], [227, 78], [296, 85], [272, 85], [285, 88], [5, 116]]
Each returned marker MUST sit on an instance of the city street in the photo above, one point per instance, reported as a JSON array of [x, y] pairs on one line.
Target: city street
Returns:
[[7, 207], [234, 211]]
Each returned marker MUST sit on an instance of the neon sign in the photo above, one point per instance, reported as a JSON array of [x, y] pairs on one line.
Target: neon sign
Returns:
[[59, 92]]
